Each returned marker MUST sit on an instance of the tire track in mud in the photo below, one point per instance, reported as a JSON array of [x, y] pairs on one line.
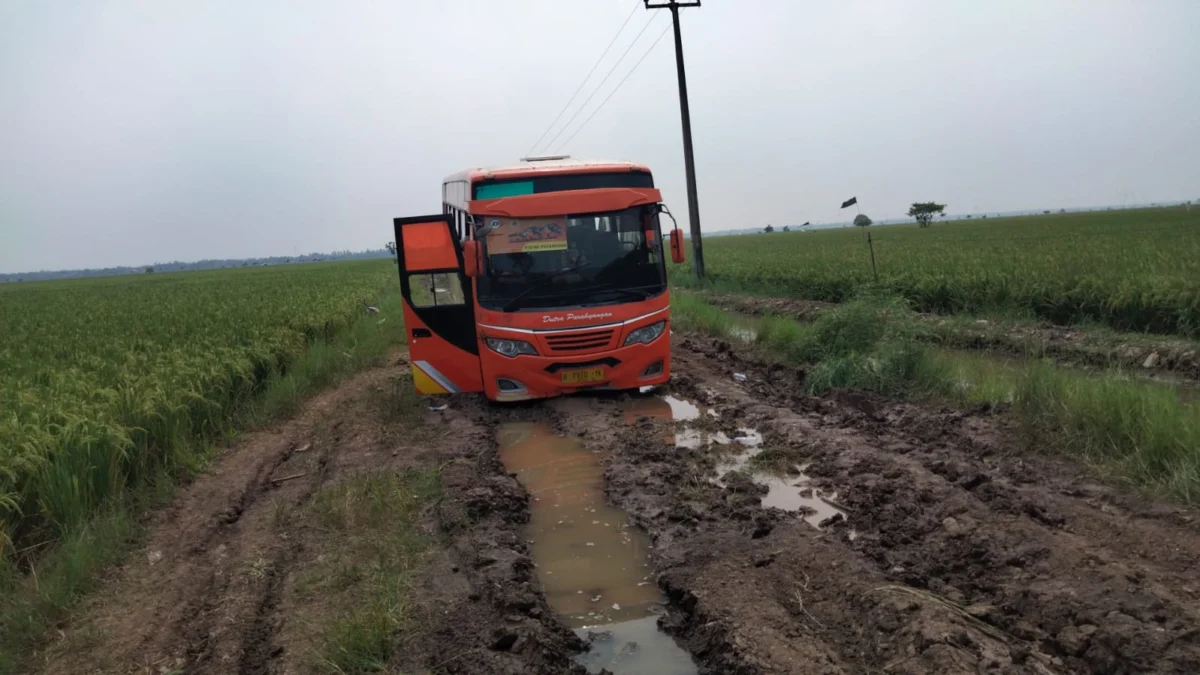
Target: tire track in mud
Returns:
[[237, 602], [750, 589], [257, 640], [202, 597], [221, 597], [966, 552]]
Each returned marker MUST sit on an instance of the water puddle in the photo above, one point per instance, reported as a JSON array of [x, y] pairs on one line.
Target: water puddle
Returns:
[[681, 410], [667, 409], [792, 492], [591, 561], [787, 493], [695, 438]]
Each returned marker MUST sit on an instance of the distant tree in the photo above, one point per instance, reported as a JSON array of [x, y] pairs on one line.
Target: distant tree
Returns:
[[968, 217], [1046, 211], [925, 211], [787, 229], [985, 216], [391, 247], [768, 229], [861, 220], [149, 270]]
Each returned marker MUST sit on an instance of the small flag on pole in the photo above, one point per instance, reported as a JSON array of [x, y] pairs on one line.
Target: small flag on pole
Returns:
[[850, 202]]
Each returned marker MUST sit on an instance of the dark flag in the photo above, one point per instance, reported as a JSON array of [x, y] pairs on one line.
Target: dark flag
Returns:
[[805, 224], [850, 202]]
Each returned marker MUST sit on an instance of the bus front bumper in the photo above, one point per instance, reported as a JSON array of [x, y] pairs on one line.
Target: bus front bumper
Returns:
[[529, 377]]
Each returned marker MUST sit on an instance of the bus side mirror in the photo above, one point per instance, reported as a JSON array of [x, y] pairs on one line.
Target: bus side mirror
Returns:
[[471, 258], [677, 255]]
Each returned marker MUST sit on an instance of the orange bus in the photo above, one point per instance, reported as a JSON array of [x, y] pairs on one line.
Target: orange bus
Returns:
[[539, 279]]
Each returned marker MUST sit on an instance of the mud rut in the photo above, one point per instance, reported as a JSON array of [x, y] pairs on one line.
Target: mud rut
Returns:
[[962, 551]]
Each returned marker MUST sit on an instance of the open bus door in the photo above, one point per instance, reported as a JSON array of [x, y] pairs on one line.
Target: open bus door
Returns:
[[439, 308]]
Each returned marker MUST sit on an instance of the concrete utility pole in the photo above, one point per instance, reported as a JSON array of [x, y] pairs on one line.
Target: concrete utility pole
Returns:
[[688, 162]]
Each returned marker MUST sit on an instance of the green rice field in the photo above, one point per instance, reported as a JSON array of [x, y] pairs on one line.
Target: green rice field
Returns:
[[105, 383], [1132, 270]]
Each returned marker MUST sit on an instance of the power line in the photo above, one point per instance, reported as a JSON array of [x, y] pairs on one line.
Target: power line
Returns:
[[598, 86], [585, 78], [610, 94]]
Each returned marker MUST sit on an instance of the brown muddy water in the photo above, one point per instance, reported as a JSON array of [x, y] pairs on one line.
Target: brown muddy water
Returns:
[[591, 561]]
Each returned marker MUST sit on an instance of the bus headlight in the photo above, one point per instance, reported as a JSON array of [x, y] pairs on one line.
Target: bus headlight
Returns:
[[510, 348], [646, 334]]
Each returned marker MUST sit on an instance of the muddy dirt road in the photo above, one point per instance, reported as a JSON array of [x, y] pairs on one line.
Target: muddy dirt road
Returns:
[[717, 526]]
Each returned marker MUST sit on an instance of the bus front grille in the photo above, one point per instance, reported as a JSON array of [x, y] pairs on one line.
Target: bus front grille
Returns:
[[579, 341]]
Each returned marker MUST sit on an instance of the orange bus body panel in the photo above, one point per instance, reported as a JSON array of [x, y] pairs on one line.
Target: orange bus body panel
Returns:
[[439, 367], [428, 246], [561, 203], [442, 340]]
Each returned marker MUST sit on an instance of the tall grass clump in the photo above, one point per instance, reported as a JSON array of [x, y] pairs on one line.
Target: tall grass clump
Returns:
[[691, 313], [871, 342], [1141, 432]]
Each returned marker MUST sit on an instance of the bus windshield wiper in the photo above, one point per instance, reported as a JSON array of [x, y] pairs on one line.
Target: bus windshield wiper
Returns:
[[515, 303], [612, 288]]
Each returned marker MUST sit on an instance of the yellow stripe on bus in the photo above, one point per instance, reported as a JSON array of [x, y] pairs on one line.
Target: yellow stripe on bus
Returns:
[[426, 384]]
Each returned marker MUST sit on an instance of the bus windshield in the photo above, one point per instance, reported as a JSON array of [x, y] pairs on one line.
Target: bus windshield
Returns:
[[570, 261]]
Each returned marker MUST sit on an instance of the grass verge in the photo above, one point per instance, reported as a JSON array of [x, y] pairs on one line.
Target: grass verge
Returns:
[[1012, 331], [39, 586], [1139, 432], [373, 552], [872, 342]]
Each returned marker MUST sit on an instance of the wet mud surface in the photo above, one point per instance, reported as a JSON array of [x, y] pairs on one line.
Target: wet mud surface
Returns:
[[1174, 360], [762, 530]]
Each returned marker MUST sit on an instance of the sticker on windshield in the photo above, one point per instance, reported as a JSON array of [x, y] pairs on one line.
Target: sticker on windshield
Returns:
[[529, 235]]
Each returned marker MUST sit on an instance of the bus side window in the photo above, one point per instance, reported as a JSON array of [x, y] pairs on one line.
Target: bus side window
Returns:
[[436, 290]]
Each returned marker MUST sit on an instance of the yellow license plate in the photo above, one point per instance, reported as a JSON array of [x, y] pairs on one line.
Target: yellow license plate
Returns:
[[582, 376]]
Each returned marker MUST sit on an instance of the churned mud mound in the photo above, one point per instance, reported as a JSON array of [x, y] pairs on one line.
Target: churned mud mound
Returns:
[[960, 549], [1152, 355]]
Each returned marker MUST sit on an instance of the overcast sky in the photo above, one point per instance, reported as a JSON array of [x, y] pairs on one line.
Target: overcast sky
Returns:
[[136, 132]]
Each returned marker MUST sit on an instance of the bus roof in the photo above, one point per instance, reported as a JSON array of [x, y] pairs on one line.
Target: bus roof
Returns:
[[539, 166]]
